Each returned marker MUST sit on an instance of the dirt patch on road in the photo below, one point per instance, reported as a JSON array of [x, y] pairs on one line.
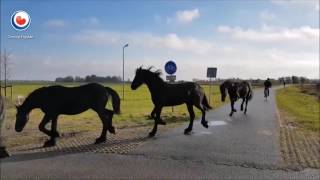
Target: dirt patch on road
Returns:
[[125, 140], [300, 148]]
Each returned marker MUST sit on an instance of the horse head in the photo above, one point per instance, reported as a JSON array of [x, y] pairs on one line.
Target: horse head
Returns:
[[146, 76], [138, 79], [22, 118]]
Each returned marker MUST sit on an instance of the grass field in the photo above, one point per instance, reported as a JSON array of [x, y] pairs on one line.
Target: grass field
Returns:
[[135, 110], [302, 105]]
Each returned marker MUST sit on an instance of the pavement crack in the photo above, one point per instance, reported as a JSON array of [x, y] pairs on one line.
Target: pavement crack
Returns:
[[250, 165]]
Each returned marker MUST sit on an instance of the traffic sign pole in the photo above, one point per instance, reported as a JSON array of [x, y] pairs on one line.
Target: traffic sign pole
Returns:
[[170, 67]]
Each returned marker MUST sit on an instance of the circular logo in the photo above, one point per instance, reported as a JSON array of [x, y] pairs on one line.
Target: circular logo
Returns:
[[170, 67], [20, 20]]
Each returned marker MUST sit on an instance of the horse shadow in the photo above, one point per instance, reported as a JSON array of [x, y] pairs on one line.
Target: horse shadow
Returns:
[[121, 146]]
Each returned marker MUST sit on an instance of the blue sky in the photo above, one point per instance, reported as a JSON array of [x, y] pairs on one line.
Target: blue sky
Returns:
[[246, 39]]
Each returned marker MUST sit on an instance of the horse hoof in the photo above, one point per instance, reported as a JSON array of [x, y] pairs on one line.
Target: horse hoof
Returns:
[[112, 130], [205, 124], [56, 134], [230, 114], [234, 110], [49, 143], [187, 131], [161, 122], [152, 134], [100, 140]]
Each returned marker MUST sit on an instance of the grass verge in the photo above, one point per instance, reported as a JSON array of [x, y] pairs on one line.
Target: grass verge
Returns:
[[299, 127]]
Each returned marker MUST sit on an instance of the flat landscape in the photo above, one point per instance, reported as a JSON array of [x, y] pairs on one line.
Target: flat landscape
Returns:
[[135, 112]]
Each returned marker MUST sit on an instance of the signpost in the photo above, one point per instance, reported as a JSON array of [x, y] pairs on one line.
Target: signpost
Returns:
[[211, 73], [170, 68]]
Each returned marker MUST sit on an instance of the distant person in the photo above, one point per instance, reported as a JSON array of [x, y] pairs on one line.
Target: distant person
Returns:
[[284, 84], [267, 85]]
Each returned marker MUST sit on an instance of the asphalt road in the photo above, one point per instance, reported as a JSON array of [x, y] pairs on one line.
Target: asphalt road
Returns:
[[240, 147]]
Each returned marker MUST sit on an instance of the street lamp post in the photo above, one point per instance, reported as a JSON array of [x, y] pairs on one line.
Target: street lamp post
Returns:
[[123, 70]]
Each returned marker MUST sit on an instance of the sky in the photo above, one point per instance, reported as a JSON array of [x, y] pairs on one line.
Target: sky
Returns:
[[242, 38]]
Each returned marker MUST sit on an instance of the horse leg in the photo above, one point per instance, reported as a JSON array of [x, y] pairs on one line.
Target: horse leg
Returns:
[[104, 119], [156, 122], [203, 118], [53, 133], [153, 113], [109, 116], [42, 125], [245, 110], [192, 116], [232, 108], [243, 99], [158, 117]]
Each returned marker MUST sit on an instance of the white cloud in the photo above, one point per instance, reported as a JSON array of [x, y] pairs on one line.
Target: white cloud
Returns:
[[303, 33], [313, 4], [92, 21], [187, 16], [97, 37], [56, 23], [170, 41], [174, 42], [184, 17], [267, 15]]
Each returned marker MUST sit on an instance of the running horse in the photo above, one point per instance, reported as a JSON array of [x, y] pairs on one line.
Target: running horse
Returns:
[[236, 90], [165, 94], [56, 100]]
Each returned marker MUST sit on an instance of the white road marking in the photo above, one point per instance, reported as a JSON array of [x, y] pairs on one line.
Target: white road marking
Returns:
[[217, 123]]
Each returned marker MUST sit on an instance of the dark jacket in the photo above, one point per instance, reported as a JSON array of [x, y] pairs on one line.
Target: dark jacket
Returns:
[[267, 84]]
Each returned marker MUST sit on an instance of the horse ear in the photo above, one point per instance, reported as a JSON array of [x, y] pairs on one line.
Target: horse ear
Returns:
[[150, 67], [158, 72]]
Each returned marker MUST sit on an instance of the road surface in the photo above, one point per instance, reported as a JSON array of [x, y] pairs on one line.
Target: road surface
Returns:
[[240, 147]]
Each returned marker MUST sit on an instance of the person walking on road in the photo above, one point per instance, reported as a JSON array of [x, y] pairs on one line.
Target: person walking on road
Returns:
[[267, 85]]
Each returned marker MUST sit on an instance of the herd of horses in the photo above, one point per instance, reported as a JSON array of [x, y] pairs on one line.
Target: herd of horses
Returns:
[[57, 100]]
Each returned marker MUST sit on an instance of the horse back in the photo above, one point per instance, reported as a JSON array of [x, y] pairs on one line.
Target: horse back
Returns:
[[70, 100]]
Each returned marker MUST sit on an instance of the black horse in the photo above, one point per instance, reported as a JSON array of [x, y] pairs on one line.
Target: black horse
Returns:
[[236, 90], [165, 94], [56, 100]]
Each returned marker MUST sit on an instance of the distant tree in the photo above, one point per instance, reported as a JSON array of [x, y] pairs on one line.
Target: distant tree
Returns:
[[78, 79], [65, 79], [304, 80], [288, 79], [295, 80], [90, 78]]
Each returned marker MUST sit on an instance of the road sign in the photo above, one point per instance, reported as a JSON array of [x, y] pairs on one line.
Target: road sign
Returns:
[[170, 67], [171, 78], [211, 72]]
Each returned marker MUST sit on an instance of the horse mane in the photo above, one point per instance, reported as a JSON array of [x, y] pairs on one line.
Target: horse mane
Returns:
[[148, 71]]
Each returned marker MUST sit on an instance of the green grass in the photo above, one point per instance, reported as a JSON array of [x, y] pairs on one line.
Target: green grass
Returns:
[[135, 109], [303, 107]]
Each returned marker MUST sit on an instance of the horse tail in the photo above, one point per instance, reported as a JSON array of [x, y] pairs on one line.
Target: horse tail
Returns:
[[115, 100], [205, 103]]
